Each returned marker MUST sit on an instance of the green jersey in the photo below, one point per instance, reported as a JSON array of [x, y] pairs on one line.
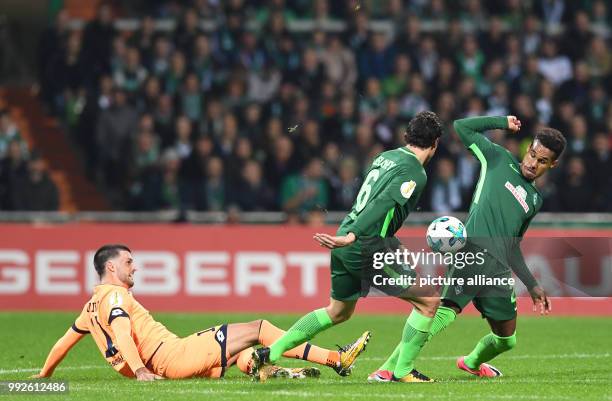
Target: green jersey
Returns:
[[504, 201], [390, 191]]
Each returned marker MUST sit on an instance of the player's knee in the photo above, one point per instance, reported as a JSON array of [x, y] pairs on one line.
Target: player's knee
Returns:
[[257, 324], [339, 315], [430, 306]]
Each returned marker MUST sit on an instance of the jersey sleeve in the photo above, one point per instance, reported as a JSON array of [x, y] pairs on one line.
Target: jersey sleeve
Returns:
[[517, 261], [81, 324], [406, 186], [114, 305], [519, 267], [470, 132]]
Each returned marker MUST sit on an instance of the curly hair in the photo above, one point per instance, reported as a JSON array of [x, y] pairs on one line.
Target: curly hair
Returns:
[[551, 139], [423, 130]]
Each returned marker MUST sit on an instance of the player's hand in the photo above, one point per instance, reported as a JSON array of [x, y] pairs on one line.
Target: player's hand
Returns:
[[145, 375], [540, 299], [331, 242], [514, 124]]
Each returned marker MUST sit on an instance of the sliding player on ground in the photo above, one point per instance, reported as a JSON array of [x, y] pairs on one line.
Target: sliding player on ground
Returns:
[[504, 203], [390, 191], [136, 345]]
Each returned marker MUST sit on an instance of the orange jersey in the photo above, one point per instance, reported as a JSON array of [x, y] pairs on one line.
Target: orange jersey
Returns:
[[109, 302]]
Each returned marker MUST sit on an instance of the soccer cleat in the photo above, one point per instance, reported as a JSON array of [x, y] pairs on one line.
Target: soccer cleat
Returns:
[[380, 376], [259, 358], [350, 352], [301, 373], [485, 370], [275, 372], [413, 377]]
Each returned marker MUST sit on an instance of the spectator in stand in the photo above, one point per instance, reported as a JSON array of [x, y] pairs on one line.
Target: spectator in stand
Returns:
[[97, 42], [280, 163], [305, 191], [377, 60], [35, 191], [214, 196], [252, 193], [130, 75], [576, 194], [114, 132], [346, 185], [445, 189], [599, 165], [555, 67], [9, 133], [13, 169], [340, 65]]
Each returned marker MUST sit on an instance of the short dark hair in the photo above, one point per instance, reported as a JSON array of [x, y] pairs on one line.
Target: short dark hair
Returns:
[[105, 253], [423, 130], [551, 139]]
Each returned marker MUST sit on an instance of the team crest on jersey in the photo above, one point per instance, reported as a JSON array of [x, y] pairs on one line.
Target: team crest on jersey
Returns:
[[115, 299], [519, 193], [407, 188]]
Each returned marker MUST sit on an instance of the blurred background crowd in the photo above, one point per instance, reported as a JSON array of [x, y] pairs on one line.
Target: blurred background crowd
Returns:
[[243, 106]]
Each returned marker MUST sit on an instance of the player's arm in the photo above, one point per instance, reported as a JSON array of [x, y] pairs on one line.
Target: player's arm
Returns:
[[374, 212], [122, 328], [470, 132], [519, 267], [59, 351], [537, 293]]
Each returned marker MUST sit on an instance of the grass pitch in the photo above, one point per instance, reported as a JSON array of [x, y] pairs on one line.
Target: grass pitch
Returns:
[[556, 358]]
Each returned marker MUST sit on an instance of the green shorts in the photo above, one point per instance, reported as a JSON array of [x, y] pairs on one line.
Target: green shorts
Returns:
[[494, 302], [352, 269], [346, 265]]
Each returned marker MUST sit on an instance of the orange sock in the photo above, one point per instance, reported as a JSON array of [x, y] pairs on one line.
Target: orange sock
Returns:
[[268, 333], [244, 361]]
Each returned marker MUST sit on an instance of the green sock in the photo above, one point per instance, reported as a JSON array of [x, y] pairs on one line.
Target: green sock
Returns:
[[488, 348], [444, 317], [301, 331], [414, 337], [392, 360]]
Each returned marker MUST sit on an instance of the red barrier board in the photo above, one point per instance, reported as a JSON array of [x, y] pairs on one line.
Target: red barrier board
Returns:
[[203, 268]]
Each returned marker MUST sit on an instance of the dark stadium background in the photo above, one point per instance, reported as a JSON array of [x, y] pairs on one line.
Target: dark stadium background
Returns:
[[279, 105]]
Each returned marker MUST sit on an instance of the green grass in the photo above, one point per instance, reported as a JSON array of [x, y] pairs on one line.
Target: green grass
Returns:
[[556, 358]]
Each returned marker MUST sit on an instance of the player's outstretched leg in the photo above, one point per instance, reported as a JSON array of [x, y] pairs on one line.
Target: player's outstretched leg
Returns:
[[501, 339], [443, 318], [487, 348], [414, 336], [341, 361], [303, 330], [425, 301]]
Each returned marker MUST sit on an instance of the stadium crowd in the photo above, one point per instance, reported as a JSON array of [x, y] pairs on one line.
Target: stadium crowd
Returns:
[[256, 116], [24, 181]]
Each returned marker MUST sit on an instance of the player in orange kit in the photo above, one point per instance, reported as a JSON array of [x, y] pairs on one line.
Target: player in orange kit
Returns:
[[136, 345]]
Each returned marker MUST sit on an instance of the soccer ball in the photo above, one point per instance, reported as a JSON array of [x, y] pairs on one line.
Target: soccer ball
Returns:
[[446, 234]]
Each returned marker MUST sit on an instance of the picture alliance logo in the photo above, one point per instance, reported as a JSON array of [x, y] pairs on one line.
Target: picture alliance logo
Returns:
[[412, 259]]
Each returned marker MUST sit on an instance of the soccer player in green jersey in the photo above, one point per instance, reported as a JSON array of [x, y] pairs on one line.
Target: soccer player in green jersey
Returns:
[[504, 203], [390, 191]]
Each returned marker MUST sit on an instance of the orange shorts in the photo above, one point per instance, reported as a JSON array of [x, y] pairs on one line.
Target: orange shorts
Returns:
[[202, 354]]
